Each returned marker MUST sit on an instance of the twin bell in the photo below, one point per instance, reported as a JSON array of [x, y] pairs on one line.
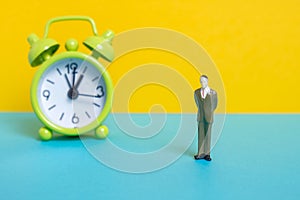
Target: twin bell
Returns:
[[42, 49]]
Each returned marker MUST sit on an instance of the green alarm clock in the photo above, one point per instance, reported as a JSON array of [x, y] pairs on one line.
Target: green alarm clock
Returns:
[[71, 92]]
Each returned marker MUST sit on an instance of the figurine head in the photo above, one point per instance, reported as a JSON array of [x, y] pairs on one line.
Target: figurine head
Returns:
[[204, 81]]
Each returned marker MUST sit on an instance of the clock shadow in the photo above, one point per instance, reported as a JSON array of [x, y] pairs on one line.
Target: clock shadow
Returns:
[[60, 137], [28, 126]]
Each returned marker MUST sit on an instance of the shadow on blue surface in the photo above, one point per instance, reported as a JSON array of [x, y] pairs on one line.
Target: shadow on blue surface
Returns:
[[23, 124]]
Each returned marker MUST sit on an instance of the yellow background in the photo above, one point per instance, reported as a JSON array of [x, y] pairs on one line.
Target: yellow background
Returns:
[[255, 45]]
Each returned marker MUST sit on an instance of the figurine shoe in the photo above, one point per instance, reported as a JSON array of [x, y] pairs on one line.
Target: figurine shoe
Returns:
[[198, 157], [207, 158]]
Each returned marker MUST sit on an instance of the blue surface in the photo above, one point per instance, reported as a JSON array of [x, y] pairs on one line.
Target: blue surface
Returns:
[[256, 157]]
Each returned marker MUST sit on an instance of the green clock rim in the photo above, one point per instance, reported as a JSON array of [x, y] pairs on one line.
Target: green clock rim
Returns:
[[71, 131]]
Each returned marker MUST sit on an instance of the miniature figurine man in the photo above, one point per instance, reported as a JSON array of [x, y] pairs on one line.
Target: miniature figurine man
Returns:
[[206, 100]]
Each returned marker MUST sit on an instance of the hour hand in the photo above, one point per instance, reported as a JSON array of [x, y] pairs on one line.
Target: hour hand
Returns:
[[69, 84], [78, 82]]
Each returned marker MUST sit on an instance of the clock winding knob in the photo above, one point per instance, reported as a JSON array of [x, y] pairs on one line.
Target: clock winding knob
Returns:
[[71, 45]]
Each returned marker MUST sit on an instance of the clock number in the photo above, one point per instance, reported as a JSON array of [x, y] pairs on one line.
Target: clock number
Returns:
[[75, 119], [72, 67], [46, 94], [100, 87]]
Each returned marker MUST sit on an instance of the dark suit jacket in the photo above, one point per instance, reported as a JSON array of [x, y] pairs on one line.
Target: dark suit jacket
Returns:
[[206, 106]]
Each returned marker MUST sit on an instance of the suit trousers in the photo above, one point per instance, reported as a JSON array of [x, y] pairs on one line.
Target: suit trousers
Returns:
[[204, 137]]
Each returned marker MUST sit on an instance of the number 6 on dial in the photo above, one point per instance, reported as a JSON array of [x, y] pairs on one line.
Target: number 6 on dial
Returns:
[[71, 93]]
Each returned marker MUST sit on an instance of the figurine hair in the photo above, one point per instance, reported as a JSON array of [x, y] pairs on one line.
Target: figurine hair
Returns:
[[204, 76]]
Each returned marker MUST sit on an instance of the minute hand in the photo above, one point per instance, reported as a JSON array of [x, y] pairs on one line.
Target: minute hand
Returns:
[[68, 82]]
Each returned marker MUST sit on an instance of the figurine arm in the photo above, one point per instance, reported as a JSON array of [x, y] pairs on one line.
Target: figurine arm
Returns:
[[196, 100], [215, 100]]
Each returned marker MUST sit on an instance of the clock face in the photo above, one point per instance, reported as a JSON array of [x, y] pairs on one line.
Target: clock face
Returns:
[[71, 92]]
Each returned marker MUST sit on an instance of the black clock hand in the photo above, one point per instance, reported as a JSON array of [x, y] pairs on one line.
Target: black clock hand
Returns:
[[73, 92], [88, 95], [69, 84], [74, 74], [78, 82]]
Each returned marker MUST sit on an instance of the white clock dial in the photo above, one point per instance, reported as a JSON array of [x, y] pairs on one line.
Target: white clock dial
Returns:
[[71, 93]]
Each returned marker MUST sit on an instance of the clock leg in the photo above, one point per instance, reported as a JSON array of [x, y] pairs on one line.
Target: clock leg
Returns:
[[45, 133], [102, 132]]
